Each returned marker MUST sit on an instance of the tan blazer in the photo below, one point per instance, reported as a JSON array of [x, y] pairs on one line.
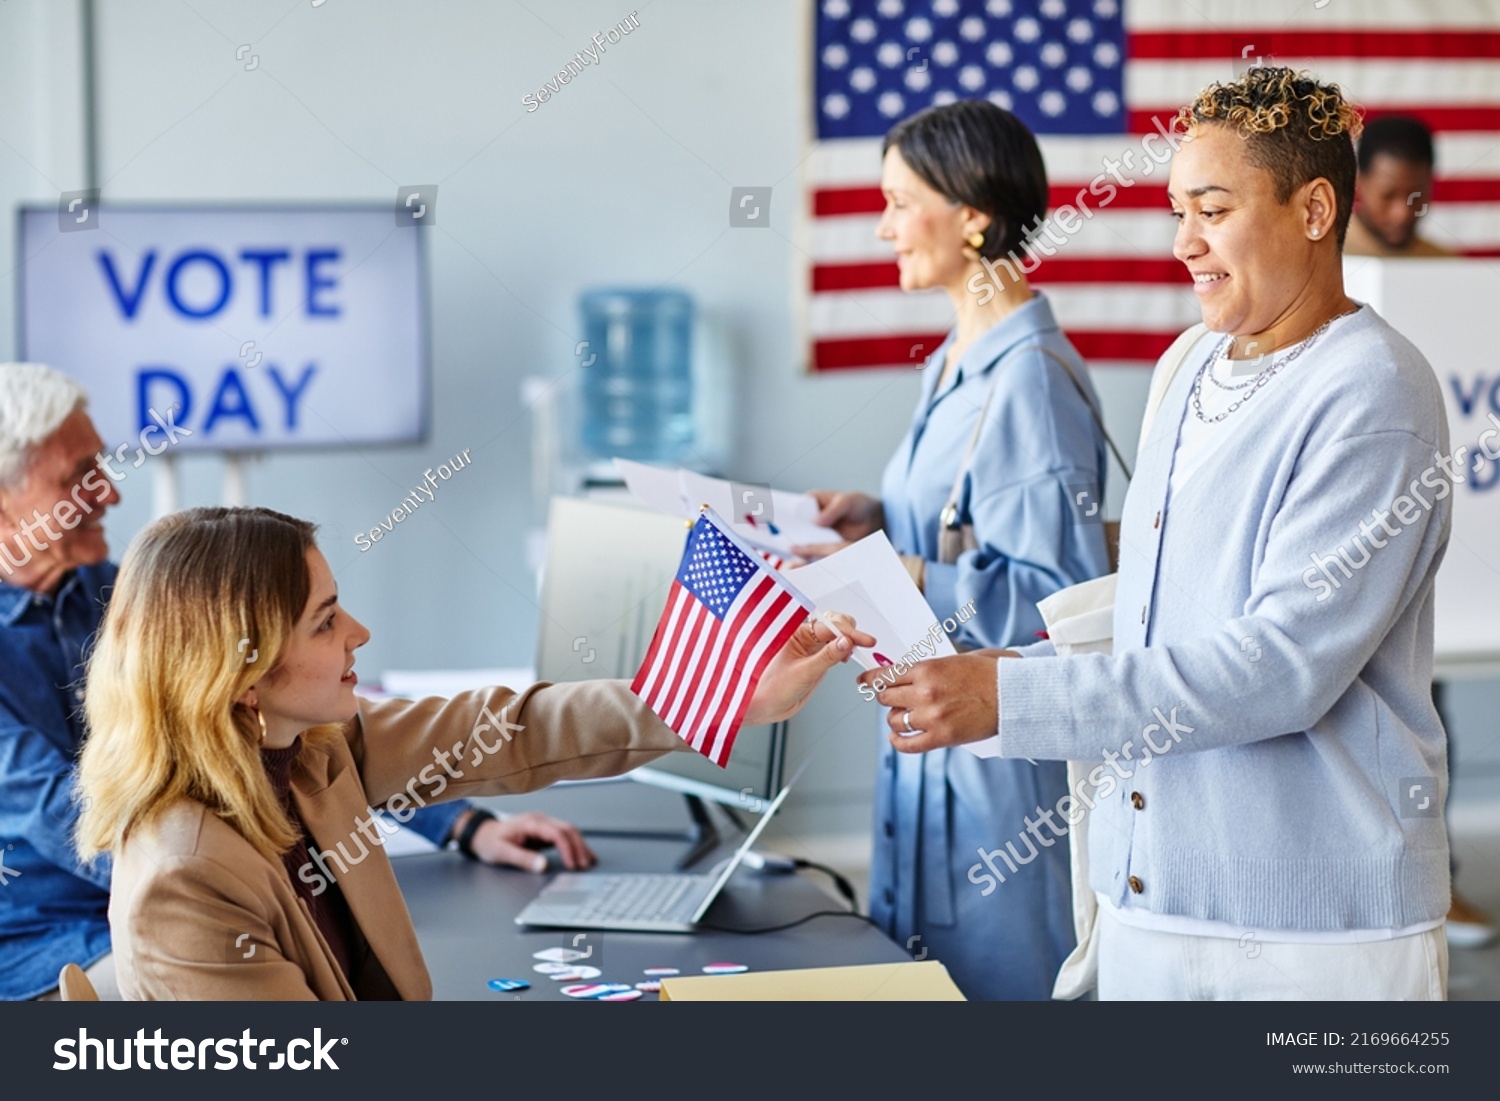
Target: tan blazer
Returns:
[[196, 913]]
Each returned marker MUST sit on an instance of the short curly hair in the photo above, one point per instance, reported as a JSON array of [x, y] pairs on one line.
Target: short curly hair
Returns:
[[1295, 126]]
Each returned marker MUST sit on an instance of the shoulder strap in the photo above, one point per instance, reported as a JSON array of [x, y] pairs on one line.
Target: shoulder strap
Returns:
[[949, 515], [1166, 370], [1088, 401], [948, 518]]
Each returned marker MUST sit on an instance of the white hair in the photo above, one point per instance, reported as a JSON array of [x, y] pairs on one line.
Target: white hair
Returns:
[[34, 401]]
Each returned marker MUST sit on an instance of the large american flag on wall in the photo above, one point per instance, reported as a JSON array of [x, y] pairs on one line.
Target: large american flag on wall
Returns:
[[1092, 78]]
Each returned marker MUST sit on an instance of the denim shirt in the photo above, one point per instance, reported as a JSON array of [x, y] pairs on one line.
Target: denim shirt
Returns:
[[54, 909]]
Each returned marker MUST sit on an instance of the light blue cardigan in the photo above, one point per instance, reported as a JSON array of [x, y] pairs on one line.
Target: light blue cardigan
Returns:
[[1282, 798]]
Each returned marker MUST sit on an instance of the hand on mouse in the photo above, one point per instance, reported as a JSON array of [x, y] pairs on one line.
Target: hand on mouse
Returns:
[[513, 841]]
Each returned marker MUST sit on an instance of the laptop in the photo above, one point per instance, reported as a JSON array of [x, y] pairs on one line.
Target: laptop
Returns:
[[640, 903]]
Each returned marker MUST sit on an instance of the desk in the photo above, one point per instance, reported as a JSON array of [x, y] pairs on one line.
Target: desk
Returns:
[[464, 912]]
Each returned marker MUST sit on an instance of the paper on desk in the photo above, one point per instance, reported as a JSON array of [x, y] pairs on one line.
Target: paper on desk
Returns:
[[904, 625], [770, 519], [655, 486]]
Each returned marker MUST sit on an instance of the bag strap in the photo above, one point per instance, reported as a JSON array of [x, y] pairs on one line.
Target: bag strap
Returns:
[[1171, 362], [948, 518], [1160, 382], [1088, 401]]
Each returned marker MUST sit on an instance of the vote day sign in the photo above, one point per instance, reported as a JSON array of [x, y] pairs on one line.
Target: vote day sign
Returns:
[[263, 327]]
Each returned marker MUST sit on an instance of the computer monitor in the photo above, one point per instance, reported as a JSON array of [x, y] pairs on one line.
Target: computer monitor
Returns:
[[608, 570]]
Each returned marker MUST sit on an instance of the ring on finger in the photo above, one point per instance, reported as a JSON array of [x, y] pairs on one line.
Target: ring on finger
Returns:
[[906, 721]]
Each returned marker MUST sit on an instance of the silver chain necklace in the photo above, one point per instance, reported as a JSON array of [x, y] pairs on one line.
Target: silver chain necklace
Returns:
[[1259, 380]]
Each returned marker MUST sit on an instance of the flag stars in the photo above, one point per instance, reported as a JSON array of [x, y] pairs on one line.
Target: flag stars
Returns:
[[1058, 64]]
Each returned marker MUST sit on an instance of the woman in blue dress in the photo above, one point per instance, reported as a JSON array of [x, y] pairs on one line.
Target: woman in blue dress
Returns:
[[965, 186]]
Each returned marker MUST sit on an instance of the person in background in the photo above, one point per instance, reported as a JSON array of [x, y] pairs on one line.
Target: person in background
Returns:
[[1391, 195], [55, 581], [965, 186], [1392, 190]]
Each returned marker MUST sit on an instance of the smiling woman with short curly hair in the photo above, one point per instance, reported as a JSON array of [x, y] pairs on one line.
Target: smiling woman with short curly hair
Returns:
[[1265, 715]]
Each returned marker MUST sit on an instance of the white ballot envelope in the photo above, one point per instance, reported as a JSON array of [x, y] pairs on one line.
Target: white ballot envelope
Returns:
[[867, 581], [771, 519]]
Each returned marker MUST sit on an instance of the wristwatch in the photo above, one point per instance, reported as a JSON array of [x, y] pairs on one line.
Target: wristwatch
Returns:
[[478, 816]]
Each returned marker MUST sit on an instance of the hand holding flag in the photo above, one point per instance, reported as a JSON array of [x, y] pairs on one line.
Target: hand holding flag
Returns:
[[729, 615]]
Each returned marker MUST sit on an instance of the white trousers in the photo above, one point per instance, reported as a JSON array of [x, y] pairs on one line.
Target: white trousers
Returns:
[[1146, 965]]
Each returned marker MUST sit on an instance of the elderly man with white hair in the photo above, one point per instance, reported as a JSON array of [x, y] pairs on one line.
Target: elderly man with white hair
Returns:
[[55, 577]]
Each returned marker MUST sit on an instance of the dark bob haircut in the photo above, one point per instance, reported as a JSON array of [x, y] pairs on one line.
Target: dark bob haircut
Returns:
[[975, 153]]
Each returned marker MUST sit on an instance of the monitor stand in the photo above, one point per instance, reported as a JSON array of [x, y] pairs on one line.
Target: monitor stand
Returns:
[[703, 834]]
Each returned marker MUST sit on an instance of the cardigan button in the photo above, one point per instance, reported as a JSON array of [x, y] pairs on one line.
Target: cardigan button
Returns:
[[1137, 800], [1143, 613], [1135, 884], [1157, 522]]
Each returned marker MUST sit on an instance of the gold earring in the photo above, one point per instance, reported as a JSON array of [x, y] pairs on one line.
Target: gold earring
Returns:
[[261, 716], [976, 240]]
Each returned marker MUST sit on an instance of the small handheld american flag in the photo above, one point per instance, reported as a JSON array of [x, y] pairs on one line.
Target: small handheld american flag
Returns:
[[728, 614]]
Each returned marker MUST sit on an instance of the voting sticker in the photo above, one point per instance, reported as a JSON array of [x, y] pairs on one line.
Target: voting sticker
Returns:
[[507, 985], [577, 974], [724, 968], [620, 996], [661, 971], [558, 955]]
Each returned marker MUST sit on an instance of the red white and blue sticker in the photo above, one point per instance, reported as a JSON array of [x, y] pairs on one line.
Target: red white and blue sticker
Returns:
[[559, 955], [658, 971], [619, 996], [724, 968], [599, 991], [577, 973], [652, 986]]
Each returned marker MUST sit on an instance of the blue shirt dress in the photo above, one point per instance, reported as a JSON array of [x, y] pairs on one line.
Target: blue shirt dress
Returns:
[[1031, 492]]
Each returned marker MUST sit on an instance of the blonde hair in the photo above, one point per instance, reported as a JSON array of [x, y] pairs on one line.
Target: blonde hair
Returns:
[[199, 593], [1295, 127]]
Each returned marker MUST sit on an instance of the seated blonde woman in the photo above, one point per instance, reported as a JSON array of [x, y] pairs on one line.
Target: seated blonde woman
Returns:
[[235, 798]]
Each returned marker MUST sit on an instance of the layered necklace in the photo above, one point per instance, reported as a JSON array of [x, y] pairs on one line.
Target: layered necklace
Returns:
[[1252, 385]]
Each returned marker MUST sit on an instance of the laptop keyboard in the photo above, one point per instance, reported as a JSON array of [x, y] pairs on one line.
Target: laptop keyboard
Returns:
[[645, 898]]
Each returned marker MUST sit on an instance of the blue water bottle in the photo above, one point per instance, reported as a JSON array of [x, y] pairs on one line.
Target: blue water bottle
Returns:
[[637, 374]]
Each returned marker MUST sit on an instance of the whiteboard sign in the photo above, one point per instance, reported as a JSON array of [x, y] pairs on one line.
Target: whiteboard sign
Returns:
[[1441, 307], [262, 327]]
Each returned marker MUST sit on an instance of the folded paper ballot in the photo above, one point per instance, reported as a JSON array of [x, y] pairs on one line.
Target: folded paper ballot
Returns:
[[866, 580], [769, 519]]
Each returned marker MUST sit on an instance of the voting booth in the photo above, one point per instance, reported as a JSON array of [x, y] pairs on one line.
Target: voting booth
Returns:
[[1442, 306], [252, 328]]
